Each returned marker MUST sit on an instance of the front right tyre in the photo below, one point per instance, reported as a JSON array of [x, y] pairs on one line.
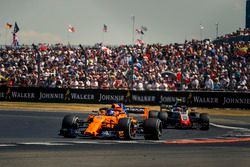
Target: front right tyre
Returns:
[[204, 121], [70, 125], [163, 116]]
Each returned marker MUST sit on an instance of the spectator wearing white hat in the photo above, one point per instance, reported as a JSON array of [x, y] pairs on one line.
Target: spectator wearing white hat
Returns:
[[195, 84], [209, 83]]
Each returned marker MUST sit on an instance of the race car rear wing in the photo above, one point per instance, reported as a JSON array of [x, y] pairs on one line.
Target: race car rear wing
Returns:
[[136, 110], [143, 111]]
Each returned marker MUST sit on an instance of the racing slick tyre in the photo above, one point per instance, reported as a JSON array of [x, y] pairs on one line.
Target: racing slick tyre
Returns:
[[127, 127], [163, 116], [152, 129], [204, 121], [69, 126], [194, 117], [153, 114], [194, 114]]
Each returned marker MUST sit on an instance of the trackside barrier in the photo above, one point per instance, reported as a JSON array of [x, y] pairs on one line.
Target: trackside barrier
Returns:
[[96, 96]]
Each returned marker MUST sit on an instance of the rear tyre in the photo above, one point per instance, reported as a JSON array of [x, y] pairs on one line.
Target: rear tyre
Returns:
[[127, 126], [163, 116], [70, 125], [204, 121], [152, 129], [153, 114], [194, 114]]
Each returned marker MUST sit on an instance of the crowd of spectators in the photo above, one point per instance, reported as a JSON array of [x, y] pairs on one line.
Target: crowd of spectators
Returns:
[[194, 65], [238, 33]]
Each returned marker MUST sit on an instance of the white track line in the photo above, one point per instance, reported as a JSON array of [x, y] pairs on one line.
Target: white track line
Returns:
[[242, 135], [229, 127], [158, 141], [7, 145], [126, 142], [83, 142], [45, 143]]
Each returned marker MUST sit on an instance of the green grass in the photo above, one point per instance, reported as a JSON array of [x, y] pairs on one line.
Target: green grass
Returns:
[[67, 107]]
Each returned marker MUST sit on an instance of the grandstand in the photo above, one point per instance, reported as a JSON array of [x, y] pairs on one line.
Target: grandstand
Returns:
[[194, 65]]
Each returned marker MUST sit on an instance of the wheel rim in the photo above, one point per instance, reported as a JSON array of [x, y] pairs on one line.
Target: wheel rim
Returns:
[[131, 130], [160, 129]]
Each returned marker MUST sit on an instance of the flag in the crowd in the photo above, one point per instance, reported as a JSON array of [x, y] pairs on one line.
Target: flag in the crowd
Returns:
[[139, 31], [71, 29], [43, 47], [106, 50], [139, 42], [16, 28], [15, 40], [243, 50], [201, 27], [105, 28], [8, 25], [143, 28], [2, 77]]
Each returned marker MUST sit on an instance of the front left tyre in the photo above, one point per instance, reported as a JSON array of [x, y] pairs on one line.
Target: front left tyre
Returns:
[[127, 126]]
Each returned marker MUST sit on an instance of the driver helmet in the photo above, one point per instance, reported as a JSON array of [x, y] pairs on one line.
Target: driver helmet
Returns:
[[178, 109], [120, 105], [110, 112], [114, 105], [123, 108]]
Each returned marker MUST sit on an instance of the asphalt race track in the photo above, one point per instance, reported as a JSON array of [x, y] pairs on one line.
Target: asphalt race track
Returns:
[[30, 139]]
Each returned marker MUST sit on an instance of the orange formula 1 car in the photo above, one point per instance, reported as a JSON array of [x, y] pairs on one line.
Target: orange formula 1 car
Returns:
[[113, 122]]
